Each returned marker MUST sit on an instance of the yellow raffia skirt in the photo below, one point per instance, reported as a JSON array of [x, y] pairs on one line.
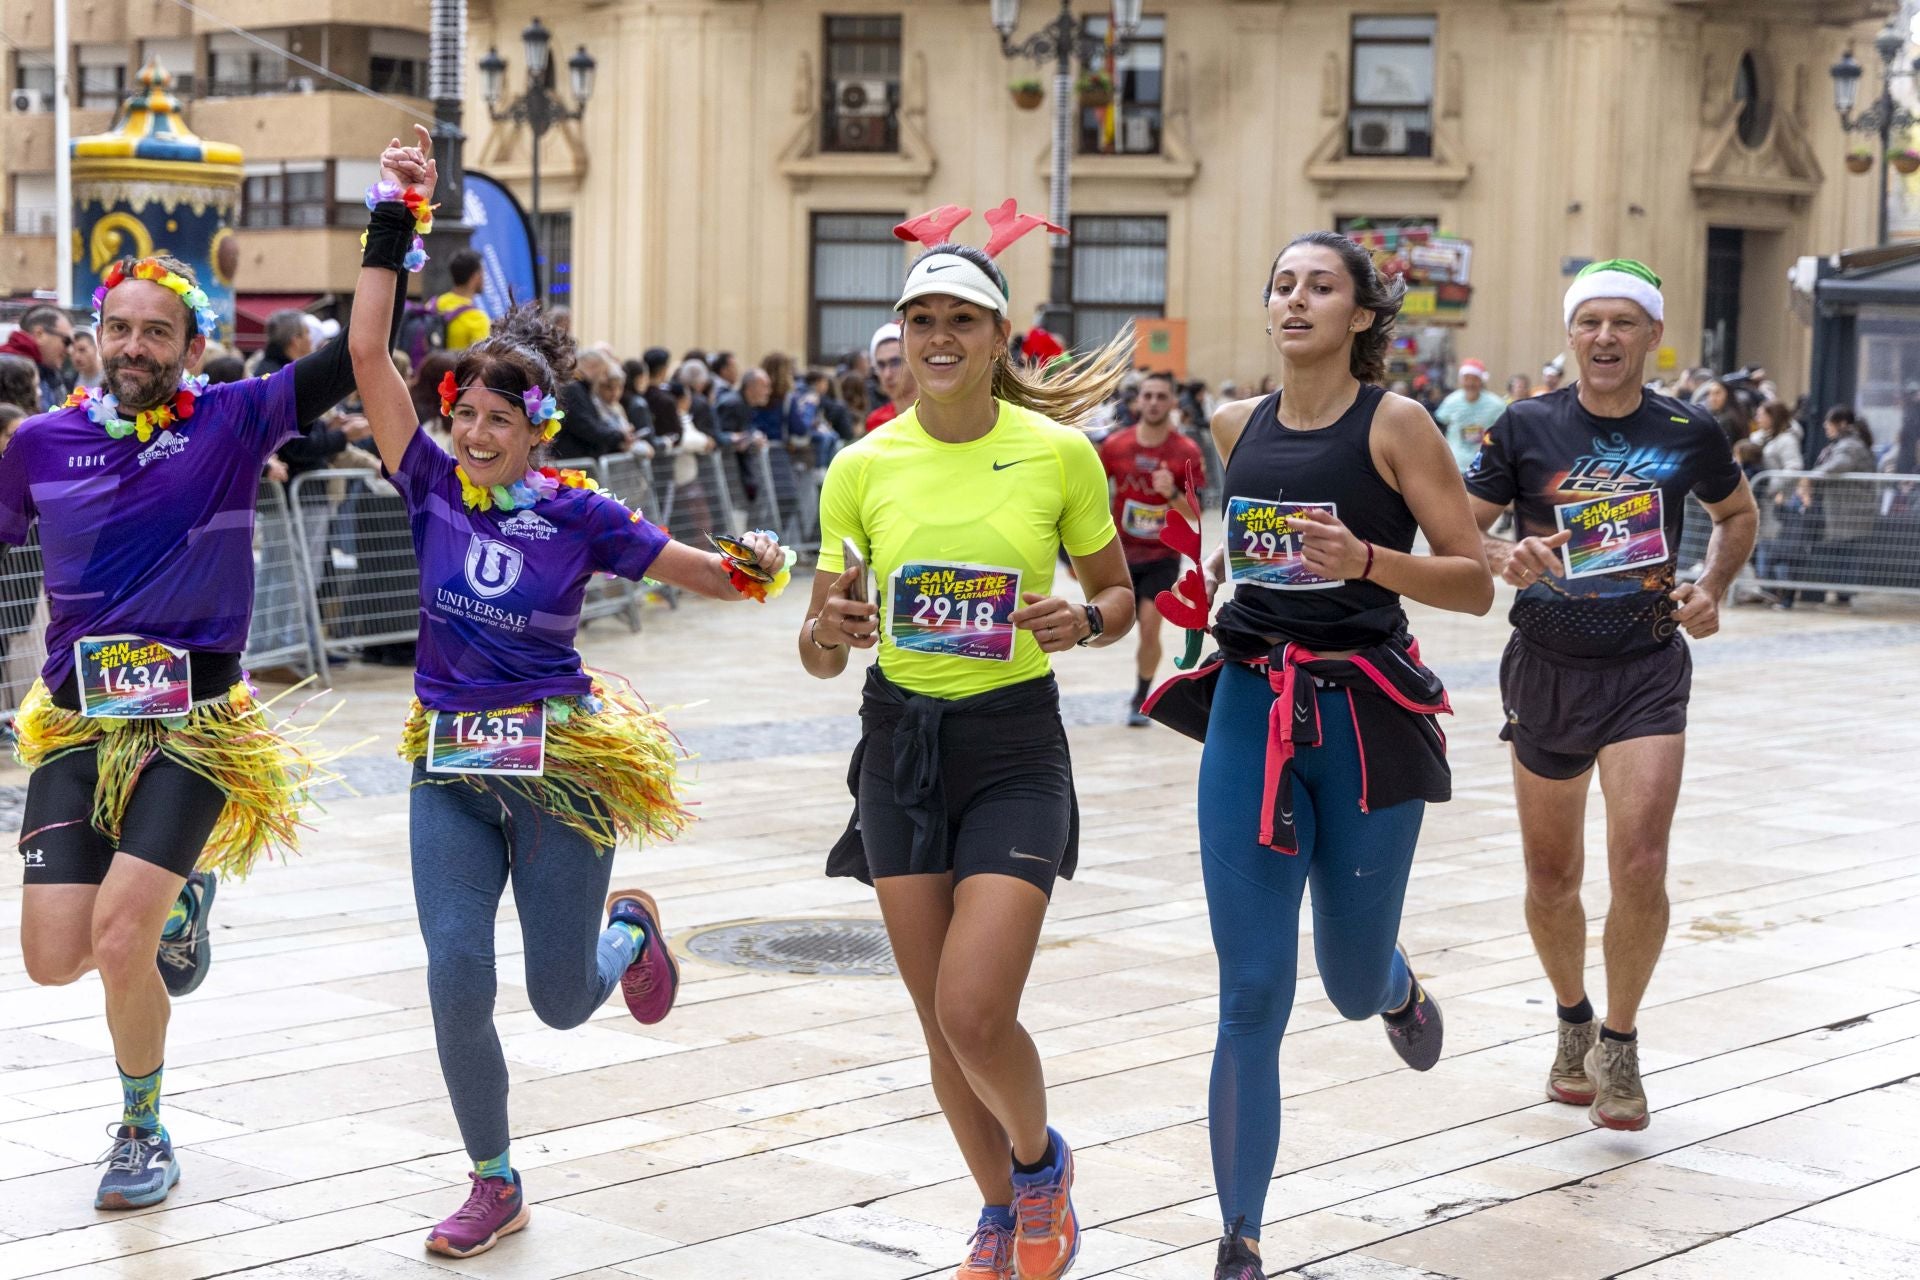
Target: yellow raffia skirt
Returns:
[[263, 767], [612, 771]]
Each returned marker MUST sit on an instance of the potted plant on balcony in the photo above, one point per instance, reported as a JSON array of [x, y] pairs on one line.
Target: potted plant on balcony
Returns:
[[1027, 94], [1859, 160], [1905, 159], [1095, 89]]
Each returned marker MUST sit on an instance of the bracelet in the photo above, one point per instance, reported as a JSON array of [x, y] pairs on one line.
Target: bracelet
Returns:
[[415, 200], [1368, 571], [813, 626]]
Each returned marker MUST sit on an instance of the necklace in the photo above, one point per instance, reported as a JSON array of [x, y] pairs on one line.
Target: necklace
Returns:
[[539, 483], [103, 409]]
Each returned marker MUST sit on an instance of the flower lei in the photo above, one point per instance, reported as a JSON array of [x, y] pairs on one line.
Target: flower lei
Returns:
[[385, 191], [103, 408], [152, 269], [750, 580], [537, 485], [541, 408]]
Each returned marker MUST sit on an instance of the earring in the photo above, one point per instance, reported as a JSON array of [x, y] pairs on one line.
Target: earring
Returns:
[[1269, 328]]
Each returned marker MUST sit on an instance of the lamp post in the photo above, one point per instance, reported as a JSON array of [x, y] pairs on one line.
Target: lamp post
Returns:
[[1884, 115], [539, 108], [1063, 41]]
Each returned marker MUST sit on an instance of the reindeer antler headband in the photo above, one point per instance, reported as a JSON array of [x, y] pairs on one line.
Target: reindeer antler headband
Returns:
[[951, 274]]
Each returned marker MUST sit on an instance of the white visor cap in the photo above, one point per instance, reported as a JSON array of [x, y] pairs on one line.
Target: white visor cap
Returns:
[[951, 274]]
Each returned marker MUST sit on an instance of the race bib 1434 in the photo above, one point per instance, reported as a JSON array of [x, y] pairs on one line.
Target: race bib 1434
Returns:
[[511, 740], [132, 677], [1264, 548], [961, 610]]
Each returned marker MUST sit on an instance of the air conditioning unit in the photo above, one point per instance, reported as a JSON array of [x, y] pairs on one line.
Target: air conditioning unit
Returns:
[[1378, 133], [29, 101], [860, 133], [862, 97]]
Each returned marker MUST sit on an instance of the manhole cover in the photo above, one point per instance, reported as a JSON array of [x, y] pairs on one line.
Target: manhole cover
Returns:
[[839, 948]]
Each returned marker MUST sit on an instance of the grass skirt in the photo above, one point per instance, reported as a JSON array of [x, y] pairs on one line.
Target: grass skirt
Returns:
[[612, 766], [264, 769]]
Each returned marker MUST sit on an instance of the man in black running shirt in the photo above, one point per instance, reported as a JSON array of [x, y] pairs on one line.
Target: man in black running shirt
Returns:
[[1598, 475]]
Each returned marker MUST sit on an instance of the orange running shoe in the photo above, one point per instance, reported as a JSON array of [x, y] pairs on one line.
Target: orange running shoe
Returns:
[[990, 1252], [1046, 1232]]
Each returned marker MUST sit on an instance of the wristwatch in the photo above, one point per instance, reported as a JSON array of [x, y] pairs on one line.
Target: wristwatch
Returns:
[[1095, 624]]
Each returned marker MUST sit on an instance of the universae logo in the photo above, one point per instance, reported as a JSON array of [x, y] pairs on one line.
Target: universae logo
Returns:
[[492, 567]]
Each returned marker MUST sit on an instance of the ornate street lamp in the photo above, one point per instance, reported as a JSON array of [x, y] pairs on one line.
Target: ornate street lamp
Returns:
[[539, 108], [1063, 42], [1884, 115]]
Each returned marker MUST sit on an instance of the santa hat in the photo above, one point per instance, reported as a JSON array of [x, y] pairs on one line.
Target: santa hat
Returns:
[[1473, 367], [1617, 278]]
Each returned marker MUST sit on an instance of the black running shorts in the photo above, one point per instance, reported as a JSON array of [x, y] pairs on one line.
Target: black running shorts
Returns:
[[1151, 577], [168, 819], [1009, 792], [1561, 710]]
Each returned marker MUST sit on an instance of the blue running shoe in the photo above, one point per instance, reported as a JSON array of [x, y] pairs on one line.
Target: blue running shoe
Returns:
[[184, 960], [141, 1169]]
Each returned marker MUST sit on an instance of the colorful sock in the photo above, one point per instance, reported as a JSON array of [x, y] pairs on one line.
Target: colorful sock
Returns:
[[498, 1167], [140, 1100], [1000, 1215], [1046, 1160], [1582, 1012], [179, 917], [637, 932], [1624, 1037]]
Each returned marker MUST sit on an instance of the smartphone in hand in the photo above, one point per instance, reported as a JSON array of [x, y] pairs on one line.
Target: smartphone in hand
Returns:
[[858, 591]]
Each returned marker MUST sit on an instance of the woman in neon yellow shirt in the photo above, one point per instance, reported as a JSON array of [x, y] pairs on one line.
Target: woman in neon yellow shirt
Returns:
[[966, 810]]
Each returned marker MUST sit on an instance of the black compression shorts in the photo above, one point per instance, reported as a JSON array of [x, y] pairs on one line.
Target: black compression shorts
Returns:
[[168, 819]]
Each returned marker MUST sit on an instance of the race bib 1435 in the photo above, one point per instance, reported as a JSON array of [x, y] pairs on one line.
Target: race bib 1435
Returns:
[[511, 740]]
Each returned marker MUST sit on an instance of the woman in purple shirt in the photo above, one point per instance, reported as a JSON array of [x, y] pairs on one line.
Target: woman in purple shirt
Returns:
[[526, 766]]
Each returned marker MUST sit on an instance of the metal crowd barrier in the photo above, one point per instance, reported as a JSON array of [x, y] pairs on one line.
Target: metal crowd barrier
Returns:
[[23, 622], [283, 583], [1848, 532]]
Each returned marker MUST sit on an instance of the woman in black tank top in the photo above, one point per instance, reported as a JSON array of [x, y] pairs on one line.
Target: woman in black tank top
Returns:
[[1327, 482]]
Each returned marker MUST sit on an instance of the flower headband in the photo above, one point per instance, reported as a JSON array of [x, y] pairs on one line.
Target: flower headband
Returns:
[[195, 298], [540, 407]]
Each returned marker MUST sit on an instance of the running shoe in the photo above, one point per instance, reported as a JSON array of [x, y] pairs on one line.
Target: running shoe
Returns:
[[141, 1169], [1619, 1100], [1236, 1260], [1567, 1079], [184, 960], [989, 1253], [1138, 719], [653, 979], [1046, 1231], [495, 1207], [1416, 1039]]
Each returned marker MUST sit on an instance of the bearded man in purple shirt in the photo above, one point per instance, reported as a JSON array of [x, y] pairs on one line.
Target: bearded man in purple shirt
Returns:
[[154, 766]]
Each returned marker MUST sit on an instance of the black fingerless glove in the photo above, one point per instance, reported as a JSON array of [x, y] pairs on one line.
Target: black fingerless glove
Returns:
[[389, 236]]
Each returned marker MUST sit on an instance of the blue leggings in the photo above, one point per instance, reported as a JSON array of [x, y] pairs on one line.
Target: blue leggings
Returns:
[[467, 842], [1357, 863]]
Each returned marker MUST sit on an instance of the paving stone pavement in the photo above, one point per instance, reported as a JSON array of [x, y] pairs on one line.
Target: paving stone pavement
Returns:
[[782, 1124]]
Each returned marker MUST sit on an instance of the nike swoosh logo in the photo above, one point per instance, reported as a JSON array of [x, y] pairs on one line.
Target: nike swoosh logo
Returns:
[[1028, 857], [945, 266], [1002, 466]]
